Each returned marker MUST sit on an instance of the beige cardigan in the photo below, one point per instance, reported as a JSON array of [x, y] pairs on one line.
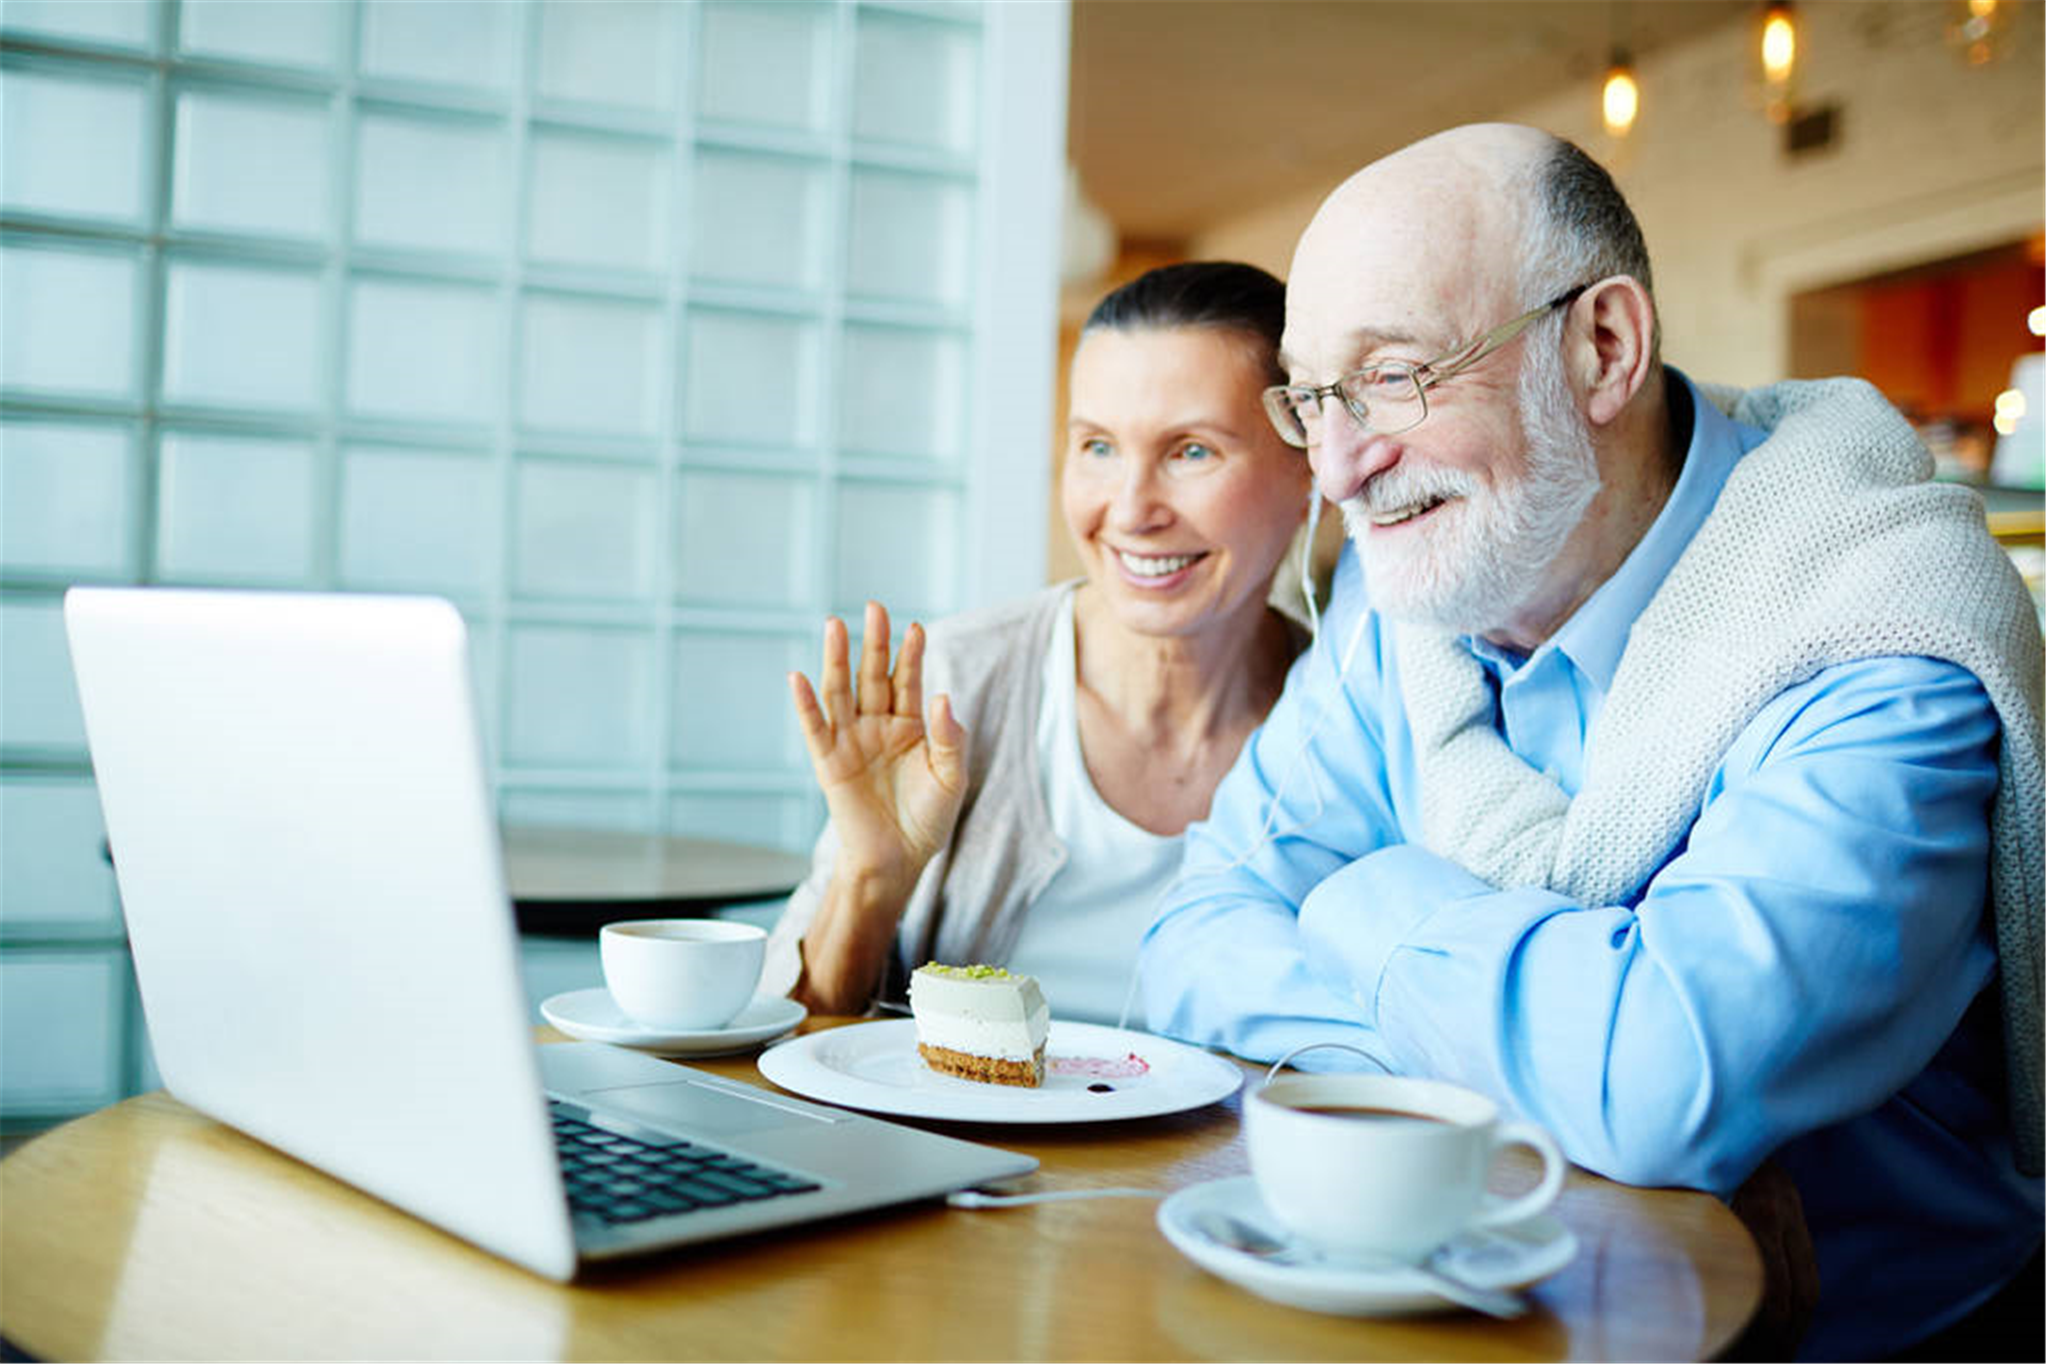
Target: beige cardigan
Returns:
[[968, 905]]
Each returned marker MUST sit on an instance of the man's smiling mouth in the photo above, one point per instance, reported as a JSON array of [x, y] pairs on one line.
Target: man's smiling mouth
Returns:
[[1400, 515]]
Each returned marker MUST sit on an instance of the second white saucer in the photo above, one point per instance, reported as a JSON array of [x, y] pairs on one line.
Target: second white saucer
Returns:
[[593, 1016]]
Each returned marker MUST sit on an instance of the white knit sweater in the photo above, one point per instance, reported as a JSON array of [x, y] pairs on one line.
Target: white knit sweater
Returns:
[[1828, 544]]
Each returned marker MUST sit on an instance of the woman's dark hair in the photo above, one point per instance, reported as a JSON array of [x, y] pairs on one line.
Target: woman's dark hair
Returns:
[[1202, 293]]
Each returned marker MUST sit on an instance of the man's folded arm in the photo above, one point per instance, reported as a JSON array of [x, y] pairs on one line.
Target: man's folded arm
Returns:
[[1801, 958], [1223, 964]]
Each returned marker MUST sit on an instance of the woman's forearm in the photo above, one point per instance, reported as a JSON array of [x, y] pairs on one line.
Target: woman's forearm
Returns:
[[845, 949]]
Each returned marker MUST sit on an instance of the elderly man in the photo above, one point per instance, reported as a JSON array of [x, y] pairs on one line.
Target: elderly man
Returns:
[[1669, 767]]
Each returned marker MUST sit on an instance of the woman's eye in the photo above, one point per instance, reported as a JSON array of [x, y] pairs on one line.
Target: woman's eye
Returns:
[[1195, 453], [1096, 448]]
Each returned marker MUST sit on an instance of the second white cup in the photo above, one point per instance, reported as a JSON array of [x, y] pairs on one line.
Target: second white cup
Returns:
[[681, 975], [1383, 1167]]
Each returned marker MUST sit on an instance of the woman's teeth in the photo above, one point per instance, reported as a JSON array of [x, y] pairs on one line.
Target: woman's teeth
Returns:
[[1145, 567]]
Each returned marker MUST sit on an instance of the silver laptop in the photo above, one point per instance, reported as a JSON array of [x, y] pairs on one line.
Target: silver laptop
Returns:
[[308, 858]]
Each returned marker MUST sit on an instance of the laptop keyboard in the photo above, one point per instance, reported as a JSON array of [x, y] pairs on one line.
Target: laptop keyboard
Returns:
[[617, 1179]]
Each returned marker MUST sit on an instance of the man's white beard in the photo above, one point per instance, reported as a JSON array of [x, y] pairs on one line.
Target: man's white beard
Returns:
[[1487, 555]]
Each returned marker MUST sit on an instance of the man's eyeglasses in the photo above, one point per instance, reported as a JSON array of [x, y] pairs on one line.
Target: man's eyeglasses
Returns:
[[1390, 397]]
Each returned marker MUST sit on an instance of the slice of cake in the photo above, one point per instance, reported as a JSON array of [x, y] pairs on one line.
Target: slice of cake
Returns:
[[980, 1023]]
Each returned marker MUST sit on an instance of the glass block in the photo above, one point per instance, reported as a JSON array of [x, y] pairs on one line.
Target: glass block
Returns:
[[303, 33], [903, 391], [766, 820], [52, 873], [577, 697], [450, 42], [38, 697], [241, 337], [69, 324], [600, 201], [118, 23], [417, 520], [750, 379], [590, 365], [731, 705], [608, 52], [67, 499], [557, 809], [61, 1029], [898, 544], [582, 530], [251, 164], [915, 82], [745, 539], [432, 184], [758, 220], [767, 64], [232, 509], [422, 351], [911, 238], [71, 145]]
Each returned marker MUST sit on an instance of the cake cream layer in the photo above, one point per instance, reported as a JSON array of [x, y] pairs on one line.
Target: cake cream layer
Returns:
[[979, 1011]]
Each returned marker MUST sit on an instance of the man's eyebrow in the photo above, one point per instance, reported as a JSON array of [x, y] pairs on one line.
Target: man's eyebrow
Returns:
[[1358, 344]]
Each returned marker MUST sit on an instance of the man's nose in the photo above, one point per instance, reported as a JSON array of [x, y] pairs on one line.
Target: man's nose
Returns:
[[1347, 456]]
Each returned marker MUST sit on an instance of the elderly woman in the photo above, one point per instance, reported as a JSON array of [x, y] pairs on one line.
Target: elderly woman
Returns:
[[1014, 790]]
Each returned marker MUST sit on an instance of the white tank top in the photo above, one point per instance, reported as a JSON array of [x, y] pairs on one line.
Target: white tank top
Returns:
[[1080, 936]]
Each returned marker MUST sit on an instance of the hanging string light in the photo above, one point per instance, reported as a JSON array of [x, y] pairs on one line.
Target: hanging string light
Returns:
[[1779, 58], [1620, 101]]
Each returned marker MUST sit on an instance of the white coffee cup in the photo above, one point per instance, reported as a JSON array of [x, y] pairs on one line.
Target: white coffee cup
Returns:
[[681, 975], [1385, 1167]]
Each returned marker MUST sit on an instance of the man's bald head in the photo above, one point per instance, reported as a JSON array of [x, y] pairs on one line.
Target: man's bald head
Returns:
[[1474, 222]]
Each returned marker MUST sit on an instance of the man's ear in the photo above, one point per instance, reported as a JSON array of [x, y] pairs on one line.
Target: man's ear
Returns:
[[1610, 340]]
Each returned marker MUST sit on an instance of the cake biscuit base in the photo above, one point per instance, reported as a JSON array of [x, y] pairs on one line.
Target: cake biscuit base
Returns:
[[988, 1070]]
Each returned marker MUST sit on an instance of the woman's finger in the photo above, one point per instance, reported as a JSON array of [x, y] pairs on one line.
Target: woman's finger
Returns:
[[810, 716], [909, 672], [945, 738], [874, 662], [833, 679]]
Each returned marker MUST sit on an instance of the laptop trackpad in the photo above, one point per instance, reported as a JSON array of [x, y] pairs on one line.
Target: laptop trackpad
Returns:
[[692, 1107]]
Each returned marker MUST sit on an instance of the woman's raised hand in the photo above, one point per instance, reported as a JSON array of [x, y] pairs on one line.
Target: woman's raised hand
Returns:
[[892, 769]]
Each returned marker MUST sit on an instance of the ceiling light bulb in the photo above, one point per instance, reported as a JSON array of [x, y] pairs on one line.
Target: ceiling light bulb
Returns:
[[2035, 321], [1779, 43], [1622, 98]]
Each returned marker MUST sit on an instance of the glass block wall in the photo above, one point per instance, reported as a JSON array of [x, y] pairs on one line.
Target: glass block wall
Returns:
[[646, 332]]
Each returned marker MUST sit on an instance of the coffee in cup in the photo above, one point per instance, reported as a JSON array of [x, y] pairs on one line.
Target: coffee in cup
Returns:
[[1385, 1167], [681, 975]]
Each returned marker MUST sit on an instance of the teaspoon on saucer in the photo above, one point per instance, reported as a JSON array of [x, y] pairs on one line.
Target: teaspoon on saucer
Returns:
[[1236, 1234]]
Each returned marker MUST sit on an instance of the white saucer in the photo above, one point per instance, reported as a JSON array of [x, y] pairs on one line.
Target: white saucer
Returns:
[[1504, 1257], [593, 1016]]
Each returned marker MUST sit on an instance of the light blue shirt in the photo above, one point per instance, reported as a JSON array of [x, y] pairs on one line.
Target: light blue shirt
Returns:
[[1811, 974]]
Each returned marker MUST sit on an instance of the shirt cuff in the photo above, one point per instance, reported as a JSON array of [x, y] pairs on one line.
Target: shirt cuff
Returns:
[[1355, 920]]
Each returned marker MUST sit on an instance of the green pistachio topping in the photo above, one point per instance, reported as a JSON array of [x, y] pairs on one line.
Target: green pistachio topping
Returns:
[[977, 972]]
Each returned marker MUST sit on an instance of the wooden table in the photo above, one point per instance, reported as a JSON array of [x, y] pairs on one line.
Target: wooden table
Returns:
[[575, 880], [148, 1231]]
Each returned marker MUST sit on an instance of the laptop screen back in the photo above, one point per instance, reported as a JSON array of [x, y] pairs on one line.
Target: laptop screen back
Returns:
[[303, 835]]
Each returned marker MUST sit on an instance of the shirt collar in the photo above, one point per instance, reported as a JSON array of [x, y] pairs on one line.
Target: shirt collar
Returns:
[[1596, 634]]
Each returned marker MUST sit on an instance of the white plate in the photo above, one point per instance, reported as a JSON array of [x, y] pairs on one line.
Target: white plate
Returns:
[[875, 1067], [1504, 1257], [593, 1016]]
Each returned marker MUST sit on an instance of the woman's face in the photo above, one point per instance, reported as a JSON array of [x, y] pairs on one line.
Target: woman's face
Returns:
[[1179, 495]]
